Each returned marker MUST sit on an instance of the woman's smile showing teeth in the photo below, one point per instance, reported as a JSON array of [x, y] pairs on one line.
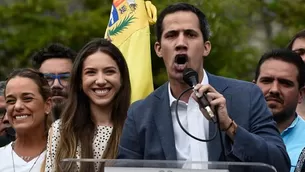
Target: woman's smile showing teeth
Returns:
[[21, 116], [101, 91]]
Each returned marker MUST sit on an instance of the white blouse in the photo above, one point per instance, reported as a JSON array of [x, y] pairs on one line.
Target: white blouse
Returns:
[[99, 144], [11, 162]]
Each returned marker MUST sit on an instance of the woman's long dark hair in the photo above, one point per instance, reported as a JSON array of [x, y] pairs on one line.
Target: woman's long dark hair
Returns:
[[77, 126]]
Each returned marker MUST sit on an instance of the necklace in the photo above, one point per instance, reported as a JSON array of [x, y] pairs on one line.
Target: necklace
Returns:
[[27, 158], [24, 157]]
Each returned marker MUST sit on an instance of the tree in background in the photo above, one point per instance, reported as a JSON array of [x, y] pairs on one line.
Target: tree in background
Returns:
[[241, 30], [28, 25]]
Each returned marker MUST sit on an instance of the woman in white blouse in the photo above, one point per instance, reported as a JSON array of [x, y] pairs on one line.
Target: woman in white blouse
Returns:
[[92, 121], [28, 103]]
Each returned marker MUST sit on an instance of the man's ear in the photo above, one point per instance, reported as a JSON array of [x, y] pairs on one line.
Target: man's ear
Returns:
[[301, 95], [207, 48], [157, 47], [254, 81]]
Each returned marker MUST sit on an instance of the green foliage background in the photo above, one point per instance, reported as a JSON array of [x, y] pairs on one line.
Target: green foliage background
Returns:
[[242, 30]]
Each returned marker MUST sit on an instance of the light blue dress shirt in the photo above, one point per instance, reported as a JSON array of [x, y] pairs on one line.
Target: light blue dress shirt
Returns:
[[294, 139]]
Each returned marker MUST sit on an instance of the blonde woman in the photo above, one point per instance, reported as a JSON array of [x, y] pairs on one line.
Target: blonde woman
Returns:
[[28, 103]]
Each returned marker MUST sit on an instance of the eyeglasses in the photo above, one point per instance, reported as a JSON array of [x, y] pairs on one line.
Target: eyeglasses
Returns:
[[63, 78], [300, 51]]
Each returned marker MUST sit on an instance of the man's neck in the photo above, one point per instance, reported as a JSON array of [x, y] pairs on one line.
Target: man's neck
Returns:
[[285, 124], [177, 88]]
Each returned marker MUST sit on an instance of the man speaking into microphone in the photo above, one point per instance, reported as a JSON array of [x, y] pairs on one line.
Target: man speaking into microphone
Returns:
[[152, 130]]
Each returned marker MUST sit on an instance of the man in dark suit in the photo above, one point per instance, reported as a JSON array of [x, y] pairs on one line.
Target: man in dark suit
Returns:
[[151, 131]]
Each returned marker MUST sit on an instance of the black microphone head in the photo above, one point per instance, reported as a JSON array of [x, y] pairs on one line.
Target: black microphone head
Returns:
[[190, 77]]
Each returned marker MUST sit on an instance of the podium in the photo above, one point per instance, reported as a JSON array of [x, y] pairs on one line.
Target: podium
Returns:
[[116, 165]]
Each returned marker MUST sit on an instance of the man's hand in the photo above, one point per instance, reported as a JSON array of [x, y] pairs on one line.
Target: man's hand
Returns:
[[217, 102]]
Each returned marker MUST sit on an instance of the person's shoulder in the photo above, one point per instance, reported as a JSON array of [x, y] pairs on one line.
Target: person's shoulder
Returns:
[[232, 81], [301, 122], [57, 123], [235, 84], [6, 157], [143, 110], [152, 97], [6, 148], [56, 126]]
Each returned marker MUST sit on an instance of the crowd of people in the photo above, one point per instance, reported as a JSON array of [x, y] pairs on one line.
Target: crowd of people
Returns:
[[77, 105]]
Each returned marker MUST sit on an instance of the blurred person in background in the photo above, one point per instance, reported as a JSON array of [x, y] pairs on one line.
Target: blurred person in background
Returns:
[[55, 62], [9, 132], [280, 74], [28, 104], [96, 109], [3, 126], [6, 131], [297, 44]]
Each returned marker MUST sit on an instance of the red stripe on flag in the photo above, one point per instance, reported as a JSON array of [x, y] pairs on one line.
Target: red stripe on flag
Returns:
[[116, 3]]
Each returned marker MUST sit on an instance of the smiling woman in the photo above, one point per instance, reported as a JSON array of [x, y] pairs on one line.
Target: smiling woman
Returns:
[[28, 103], [96, 109]]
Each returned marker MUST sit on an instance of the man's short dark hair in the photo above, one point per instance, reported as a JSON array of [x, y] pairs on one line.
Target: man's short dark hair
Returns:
[[55, 50], [284, 55], [203, 23], [2, 87], [300, 34]]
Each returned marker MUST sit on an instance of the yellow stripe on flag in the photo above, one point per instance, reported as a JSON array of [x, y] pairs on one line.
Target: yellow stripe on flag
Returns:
[[128, 29]]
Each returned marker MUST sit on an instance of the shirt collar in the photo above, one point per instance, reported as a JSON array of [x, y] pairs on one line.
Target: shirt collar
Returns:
[[172, 99], [293, 124]]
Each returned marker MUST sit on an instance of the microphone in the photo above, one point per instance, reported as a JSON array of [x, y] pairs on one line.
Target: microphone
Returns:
[[191, 78]]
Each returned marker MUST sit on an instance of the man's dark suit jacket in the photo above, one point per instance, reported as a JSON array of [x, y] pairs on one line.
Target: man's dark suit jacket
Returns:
[[4, 141], [148, 131], [8, 137]]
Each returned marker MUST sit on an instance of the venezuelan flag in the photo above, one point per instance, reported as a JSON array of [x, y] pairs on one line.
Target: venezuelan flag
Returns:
[[128, 29]]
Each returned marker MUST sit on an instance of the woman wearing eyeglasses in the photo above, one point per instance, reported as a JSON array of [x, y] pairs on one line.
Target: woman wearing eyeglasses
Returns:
[[92, 121], [28, 103]]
